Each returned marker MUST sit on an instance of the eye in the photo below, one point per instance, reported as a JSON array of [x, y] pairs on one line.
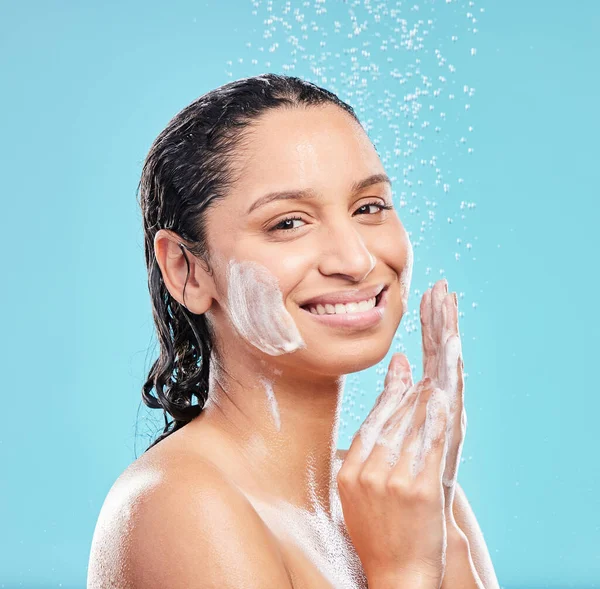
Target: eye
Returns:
[[378, 205], [286, 220], [281, 225]]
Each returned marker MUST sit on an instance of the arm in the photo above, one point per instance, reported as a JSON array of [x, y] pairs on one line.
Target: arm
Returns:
[[468, 559], [460, 571], [193, 531]]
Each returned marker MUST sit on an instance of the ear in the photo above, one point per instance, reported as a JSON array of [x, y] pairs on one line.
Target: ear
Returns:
[[171, 258]]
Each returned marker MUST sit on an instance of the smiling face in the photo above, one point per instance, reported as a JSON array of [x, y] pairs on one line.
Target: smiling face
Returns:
[[272, 255]]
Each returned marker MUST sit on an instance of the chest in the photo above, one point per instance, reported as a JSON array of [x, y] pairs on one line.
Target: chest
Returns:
[[316, 552], [320, 569]]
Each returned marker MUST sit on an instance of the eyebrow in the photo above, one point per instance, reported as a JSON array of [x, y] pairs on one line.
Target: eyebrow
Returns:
[[310, 194]]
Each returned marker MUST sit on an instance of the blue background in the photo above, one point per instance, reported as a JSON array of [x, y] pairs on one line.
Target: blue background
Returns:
[[88, 86]]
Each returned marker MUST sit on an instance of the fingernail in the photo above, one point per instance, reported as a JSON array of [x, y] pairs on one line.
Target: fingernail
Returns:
[[455, 299], [446, 284]]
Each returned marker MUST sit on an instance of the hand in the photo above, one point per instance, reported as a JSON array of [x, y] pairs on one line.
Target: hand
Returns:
[[442, 362], [390, 483]]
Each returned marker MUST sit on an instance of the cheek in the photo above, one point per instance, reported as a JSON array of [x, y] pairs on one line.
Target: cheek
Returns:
[[292, 268], [394, 249], [255, 308]]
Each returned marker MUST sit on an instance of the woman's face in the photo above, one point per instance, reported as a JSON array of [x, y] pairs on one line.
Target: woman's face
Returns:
[[266, 268]]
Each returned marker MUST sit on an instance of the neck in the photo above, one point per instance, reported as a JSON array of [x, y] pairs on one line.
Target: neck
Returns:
[[281, 427]]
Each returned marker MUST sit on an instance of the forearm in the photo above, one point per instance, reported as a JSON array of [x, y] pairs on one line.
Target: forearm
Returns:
[[460, 570]]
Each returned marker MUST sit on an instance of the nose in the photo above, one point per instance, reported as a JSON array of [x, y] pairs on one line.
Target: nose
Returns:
[[345, 253]]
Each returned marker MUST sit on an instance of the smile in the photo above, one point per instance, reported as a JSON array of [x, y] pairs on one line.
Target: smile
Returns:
[[362, 314]]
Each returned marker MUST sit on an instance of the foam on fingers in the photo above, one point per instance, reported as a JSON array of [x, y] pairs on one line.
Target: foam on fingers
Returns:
[[436, 421]]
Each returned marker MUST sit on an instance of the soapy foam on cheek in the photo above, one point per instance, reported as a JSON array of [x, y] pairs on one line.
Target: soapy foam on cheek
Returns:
[[256, 309]]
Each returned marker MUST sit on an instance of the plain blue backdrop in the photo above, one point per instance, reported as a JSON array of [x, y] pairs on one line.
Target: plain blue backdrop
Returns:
[[88, 86]]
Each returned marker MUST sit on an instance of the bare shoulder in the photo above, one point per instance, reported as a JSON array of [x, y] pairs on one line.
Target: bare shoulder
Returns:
[[185, 525]]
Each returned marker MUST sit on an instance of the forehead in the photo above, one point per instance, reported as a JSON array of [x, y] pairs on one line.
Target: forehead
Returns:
[[303, 148]]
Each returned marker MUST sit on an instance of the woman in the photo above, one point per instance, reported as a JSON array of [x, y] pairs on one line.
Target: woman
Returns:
[[266, 209]]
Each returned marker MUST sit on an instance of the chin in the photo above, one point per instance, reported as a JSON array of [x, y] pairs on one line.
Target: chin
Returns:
[[337, 358]]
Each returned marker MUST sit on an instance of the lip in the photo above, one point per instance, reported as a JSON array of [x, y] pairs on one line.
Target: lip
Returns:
[[362, 320], [345, 296]]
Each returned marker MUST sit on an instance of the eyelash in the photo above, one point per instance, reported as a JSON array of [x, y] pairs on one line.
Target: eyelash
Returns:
[[292, 218]]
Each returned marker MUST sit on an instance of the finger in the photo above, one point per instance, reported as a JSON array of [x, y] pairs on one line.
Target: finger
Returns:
[[451, 350], [446, 365], [402, 414], [452, 365], [438, 292], [393, 398], [452, 312], [435, 442], [451, 380], [457, 426], [352, 461], [418, 437], [398, 380], [399, 437], [429, 345], [399, 367], [414, 442]]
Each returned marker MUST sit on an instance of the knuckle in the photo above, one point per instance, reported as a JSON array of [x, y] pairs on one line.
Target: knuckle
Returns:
[[428, 385], [369, 479], [425, 383], [400, 487], [411, 491], [345, 477], [424, 493], [426, 395]]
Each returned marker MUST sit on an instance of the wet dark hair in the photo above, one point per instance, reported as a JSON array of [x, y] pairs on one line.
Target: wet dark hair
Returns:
[[190, 165]]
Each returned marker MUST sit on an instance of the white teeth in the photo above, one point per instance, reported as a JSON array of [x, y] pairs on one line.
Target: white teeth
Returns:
[[340, 309], [364, 306]]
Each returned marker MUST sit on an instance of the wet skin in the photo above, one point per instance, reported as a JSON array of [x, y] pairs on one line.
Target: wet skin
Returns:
[[340, 241]]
